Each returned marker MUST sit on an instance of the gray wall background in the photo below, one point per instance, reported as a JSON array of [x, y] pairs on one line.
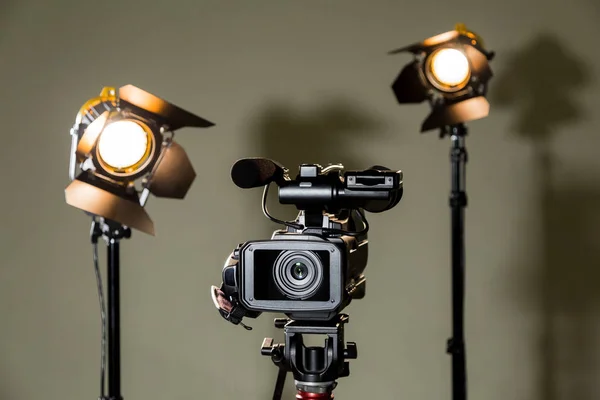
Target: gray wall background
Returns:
[[307, 81]]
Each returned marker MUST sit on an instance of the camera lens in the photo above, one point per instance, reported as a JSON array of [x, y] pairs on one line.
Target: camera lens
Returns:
[[298, 274], [299, 270]]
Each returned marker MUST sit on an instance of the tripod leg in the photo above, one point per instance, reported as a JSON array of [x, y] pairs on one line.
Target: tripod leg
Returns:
[[279, 384]]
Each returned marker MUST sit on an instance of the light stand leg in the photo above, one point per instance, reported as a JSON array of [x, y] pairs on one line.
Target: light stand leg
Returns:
[[112, 233], [114, 321], [458, 202]]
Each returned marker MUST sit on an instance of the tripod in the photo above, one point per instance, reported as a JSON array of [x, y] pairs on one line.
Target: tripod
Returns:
[[315, 369], [458, 202], [112, 234]]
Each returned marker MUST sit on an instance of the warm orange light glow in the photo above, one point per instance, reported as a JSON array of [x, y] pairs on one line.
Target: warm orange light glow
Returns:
[[124, 145], [449, 68], [107, 94]]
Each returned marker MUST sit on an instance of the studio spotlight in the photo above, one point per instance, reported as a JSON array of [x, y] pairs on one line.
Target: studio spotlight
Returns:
[[450, 70], [122, 150]]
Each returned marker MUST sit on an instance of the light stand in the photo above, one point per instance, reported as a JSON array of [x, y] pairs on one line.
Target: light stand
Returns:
[[315, 369], [122, 150], [451, 71], [112, 234], [458, 202]]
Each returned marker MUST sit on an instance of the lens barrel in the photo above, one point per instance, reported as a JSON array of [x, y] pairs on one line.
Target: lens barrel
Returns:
[[298, 274]]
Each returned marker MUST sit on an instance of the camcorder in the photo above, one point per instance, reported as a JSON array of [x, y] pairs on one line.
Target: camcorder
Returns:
[[312, 268]]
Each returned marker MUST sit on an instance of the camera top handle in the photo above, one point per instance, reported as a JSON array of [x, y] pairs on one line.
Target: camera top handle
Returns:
[[329, 189]]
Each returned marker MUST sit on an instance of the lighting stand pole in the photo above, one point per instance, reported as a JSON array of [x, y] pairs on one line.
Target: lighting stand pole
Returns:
[[458, 203], [112, 234]]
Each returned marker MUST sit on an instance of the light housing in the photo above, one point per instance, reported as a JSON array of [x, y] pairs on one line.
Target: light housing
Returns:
[[122, 150], [450, 70]]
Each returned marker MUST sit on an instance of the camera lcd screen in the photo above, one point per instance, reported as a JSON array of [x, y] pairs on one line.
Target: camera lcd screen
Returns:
[[292, 275]]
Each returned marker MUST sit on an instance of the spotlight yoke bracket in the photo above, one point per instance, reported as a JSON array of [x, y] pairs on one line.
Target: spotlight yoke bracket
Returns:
[[165, 171], [450, 105]]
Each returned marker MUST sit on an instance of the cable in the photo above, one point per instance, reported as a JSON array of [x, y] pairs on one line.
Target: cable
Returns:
[[278, 221], [102, 320], [363, 231]]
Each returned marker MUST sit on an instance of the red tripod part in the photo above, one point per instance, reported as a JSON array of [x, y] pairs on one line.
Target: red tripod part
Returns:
[[313, 396]]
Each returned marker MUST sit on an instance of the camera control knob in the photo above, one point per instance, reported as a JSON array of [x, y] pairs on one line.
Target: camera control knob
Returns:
[[350, 352]]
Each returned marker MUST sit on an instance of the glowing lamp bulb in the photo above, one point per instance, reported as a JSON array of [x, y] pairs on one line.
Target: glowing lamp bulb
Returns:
[[450, 67], [122, 144]]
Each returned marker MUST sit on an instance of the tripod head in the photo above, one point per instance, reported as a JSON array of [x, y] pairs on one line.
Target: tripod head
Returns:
[[315, 369]]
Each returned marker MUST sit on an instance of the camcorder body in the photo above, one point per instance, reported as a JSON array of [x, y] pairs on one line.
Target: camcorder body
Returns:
[[305, 276], [314, 267]]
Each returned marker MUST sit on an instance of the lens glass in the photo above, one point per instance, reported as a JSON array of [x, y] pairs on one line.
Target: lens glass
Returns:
[[298, 274], [299, 270]]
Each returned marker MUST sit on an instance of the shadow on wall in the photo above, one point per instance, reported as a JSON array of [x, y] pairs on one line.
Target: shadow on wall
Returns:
[[541, 84], [595, 6], [329, 133], [6, 390], [6, 7]]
